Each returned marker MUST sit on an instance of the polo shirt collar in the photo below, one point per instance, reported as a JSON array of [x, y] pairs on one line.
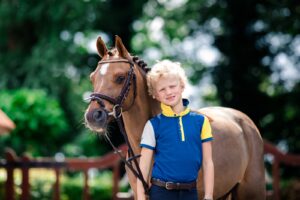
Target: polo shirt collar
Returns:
[[167, 110]]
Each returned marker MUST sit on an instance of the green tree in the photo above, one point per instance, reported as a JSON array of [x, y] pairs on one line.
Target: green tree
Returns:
[[46, 45]]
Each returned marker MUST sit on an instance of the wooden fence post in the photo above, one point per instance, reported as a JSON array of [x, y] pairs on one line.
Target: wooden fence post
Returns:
[[276, 179], [56, 195], [10, 157], [116, 178], [25, 186], [86, 185]]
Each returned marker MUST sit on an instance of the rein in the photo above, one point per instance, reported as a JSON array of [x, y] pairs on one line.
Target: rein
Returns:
[[131, 162]]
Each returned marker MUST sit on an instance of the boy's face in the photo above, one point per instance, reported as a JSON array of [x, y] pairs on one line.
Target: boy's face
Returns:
[[168, 90]]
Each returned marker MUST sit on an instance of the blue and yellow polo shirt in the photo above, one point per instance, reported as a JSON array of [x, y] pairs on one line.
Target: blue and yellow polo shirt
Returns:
[[177, 143]]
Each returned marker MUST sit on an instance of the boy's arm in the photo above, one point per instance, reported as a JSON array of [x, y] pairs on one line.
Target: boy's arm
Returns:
[[145, 166], [208, 170]]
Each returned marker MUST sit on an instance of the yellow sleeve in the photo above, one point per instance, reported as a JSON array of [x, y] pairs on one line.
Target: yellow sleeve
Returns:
[[206, 133]]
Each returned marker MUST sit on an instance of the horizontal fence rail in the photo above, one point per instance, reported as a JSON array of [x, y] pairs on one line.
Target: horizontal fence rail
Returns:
[[25, 163]]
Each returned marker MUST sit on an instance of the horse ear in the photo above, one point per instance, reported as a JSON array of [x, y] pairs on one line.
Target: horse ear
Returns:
[[121, 48], [101, 47]]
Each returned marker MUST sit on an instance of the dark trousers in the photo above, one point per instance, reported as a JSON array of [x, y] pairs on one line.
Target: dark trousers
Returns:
[[160, 193]]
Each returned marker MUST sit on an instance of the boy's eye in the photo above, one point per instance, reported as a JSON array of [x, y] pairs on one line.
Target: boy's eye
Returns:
[[120, 79]]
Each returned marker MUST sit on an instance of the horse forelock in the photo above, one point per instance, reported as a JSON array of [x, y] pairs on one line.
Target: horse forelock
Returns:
[[112, 53]]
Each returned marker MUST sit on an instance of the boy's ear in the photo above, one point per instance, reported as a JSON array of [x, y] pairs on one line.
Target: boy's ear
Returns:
[[182, 85]]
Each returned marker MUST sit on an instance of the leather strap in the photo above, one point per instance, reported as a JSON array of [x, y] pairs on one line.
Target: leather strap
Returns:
[[131, 162], [174, 186]]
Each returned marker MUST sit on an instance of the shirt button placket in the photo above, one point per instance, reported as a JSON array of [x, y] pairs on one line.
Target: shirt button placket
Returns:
[[179, 129]]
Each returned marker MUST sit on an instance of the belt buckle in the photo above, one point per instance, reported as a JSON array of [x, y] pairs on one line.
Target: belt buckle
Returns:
[[168, 185]]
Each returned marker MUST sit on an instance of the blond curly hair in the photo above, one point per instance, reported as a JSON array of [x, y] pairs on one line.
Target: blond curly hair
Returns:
[[165, 68]]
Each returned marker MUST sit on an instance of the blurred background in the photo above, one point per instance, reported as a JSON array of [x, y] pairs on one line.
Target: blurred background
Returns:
[[239, 54]]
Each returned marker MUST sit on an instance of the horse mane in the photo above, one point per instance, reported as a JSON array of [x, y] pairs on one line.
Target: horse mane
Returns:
[[141, 63]]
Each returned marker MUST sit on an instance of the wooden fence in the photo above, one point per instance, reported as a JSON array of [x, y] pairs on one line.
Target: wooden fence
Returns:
[[279, 158], [110, 160], [25, 163]]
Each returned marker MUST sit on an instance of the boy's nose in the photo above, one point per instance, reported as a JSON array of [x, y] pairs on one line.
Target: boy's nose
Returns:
[[168, 91]]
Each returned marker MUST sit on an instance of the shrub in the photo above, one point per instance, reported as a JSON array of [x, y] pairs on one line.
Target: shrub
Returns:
[[41, 124]]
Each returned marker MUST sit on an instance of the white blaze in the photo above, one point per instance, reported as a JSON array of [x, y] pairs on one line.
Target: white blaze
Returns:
[[104, 68]]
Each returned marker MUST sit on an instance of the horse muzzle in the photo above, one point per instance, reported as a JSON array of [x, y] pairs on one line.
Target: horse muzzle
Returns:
[[96, 119]]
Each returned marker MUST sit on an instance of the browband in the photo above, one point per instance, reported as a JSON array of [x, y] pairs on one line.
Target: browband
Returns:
[[114, 61]]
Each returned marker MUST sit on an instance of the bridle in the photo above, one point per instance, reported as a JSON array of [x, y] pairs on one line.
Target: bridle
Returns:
[[117, 103]]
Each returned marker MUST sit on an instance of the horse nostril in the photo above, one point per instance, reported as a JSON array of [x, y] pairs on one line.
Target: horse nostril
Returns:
[[96, 118], [99, 115]]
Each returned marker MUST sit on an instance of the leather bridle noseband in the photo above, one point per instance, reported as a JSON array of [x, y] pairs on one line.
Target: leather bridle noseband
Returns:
[[117, 103]]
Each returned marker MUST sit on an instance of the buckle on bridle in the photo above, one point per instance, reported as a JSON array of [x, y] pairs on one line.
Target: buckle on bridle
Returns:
[[116, 112]]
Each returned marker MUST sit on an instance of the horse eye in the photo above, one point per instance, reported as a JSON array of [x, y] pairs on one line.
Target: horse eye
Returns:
[[120, 79]]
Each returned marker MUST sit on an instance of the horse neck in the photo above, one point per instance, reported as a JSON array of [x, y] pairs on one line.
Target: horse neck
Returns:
[[142, 110]]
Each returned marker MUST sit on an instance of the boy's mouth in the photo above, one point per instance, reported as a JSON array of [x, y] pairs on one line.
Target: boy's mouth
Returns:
[[170, 98]]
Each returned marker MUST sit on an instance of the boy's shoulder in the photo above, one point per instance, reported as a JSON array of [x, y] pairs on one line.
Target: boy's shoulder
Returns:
[[201, 115], [196, 113], [197, 116], [157, 117], [156, 120]]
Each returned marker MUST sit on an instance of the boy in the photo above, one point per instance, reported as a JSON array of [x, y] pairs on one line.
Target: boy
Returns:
[[179, 139]]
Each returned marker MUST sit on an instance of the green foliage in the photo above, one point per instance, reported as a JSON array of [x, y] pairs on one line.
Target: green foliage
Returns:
[[46, 45], [41, 124], [87, 144], [100, 187]]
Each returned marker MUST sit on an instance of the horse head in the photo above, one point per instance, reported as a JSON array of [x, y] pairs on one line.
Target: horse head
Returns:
[[114, 83]]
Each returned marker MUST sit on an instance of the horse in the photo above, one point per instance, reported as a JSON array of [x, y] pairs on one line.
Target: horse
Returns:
[[120, 89]]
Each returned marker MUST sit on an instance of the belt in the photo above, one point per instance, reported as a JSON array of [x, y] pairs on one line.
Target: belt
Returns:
[[174, 186]]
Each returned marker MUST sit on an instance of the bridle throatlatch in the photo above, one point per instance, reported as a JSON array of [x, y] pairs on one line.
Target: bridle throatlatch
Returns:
[[117, 103]]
